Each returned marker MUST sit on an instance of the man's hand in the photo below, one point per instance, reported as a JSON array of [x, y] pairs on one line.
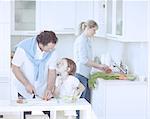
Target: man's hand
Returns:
[[48, 94], [30, 88]]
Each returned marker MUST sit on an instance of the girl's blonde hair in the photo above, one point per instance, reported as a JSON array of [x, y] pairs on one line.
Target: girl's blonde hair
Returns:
[[89, 24]]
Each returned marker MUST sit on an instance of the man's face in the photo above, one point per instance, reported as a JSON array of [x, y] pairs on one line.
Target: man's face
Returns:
[[48, 47]]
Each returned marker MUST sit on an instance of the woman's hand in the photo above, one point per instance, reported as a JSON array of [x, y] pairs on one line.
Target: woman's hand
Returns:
[[48, 94], [107, 69]]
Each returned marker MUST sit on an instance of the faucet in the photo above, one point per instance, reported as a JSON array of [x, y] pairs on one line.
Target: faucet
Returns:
[[120, 67]]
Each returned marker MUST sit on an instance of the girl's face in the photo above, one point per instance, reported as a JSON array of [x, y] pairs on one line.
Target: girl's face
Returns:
[[62, 66]]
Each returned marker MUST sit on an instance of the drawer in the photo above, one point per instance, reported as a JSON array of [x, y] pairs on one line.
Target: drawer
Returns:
[[4, 79], [4, 91]]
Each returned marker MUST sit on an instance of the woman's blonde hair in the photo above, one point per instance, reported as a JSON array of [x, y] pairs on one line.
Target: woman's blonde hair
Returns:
[[89, 24]]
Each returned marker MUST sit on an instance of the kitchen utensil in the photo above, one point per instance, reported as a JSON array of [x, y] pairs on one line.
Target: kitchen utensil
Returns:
[[36, 96]]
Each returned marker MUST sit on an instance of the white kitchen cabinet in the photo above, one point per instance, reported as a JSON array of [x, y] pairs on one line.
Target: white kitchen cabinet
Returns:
[[127, 20], [99, 15], [120, 99], [23, 17], [4, 49], [58, 16], [83, 12], [31, 17], [4, 11], [92, 10], [148, 29], [5, 39], [4, 90]]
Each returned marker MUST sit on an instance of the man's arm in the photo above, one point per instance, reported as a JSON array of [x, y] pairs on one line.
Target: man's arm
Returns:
[[50, 84], [20, 76]]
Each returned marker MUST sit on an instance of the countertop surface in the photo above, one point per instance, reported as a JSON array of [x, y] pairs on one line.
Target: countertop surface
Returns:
[[40, 105], [128, 82]]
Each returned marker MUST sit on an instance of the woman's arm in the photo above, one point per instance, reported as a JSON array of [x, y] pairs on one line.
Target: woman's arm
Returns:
[[102, 67], [95, 65]]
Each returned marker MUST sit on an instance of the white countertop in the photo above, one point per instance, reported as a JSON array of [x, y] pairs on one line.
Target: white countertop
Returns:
[[51, 105], [40, 105], [124, 82]]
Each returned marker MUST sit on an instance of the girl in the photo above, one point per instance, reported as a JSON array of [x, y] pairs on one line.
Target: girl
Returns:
[[67, 85]]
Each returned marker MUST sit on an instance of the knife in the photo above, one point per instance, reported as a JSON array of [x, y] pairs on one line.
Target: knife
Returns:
[[36, 95]]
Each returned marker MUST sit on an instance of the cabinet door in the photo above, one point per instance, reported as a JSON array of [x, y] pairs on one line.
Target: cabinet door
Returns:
[[99, 17], [4, 49], [109, 16], [98, 100], [126, 101], [23, 17], [114, 18], [135, 22], [4, 11], [119, 17], [123, 22], [84, 12], [58, 16], [4, 91]]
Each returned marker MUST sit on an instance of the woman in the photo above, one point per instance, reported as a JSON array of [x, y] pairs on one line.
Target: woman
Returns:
[[83, 55]]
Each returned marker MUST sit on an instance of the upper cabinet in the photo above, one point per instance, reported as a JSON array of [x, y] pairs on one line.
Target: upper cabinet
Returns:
[[4, 50], [127, 20], [56, 15], [99, 12], [4, 11], [83, 12], [120, 20], [30, 17], [4, 39], [23, 17], [92, 9]]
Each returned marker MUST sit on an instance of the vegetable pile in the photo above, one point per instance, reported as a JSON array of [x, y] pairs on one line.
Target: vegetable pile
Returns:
[[110, 76]]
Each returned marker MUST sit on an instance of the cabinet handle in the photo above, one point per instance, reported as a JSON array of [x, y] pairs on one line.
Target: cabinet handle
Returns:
[[103, 5], [68, 28]]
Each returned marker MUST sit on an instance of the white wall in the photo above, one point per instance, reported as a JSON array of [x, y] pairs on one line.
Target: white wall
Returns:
[[148, 37], [135, 55]]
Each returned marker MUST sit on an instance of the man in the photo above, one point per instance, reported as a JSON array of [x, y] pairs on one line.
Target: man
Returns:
[[34, 64]]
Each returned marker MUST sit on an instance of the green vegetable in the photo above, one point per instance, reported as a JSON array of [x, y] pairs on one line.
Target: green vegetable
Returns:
[[93, 78], [105, 76], [131, 77]]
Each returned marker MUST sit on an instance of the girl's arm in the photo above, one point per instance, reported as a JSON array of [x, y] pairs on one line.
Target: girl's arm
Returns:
[[79, 90]]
